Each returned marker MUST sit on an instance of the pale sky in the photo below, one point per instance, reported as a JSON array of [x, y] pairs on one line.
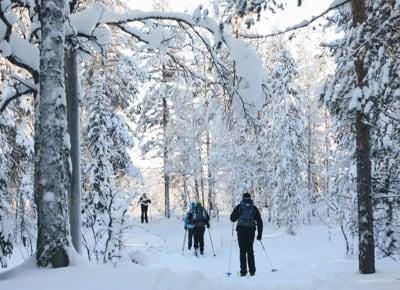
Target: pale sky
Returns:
[[290, 16]]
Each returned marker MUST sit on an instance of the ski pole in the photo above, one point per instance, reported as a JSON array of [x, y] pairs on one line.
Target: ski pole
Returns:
[[212, 245], [230, 253], [269, 260], [184, 241]]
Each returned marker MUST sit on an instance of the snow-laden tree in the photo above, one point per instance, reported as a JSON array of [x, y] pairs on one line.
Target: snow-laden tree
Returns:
[[313, 69], [383, 75], [366, 62], [104, 205], [386, 183], [100, 184], [286, 143], [341, 197], [6, 245], [86, 29], [16, 162]]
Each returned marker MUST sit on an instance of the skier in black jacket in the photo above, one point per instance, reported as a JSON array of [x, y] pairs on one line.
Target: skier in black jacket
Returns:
[[248, 217], [144, 206]]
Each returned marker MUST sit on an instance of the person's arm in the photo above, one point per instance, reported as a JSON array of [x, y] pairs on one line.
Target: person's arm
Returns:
[[208, 219], [185, 221], [259, 224], [235, 214]]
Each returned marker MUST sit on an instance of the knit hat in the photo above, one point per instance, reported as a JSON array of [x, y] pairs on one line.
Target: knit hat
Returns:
[[246, 195], [198, 203]]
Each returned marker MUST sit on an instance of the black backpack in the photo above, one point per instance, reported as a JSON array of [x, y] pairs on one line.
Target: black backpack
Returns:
[[199, 217], [247, 214]]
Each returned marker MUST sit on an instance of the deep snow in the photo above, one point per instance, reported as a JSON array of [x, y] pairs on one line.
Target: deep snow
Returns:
[[307, 261]]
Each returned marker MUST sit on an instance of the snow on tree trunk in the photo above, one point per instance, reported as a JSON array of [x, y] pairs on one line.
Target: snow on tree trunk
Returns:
[[167, 212], [72, 90], [365, 212], [52, 167], [210, 176]]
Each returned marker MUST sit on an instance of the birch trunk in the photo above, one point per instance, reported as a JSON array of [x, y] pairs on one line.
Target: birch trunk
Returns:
[[52, 169]]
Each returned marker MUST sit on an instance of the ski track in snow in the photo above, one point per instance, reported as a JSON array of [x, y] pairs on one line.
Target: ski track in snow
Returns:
[[305, 262]]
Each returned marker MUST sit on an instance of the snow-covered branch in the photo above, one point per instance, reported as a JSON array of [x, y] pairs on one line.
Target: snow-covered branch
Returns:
[[19, 90], [335, 5]]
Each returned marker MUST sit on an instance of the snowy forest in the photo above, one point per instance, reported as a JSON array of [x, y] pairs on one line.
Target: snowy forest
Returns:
[[198, 102]]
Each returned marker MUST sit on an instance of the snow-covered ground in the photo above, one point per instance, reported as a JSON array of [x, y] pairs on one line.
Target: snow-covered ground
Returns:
[[307, 261]]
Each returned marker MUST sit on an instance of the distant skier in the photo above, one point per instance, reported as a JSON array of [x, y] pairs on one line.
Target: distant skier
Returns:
[[248, 217], [200, 219], [144, 205], [189, 226]]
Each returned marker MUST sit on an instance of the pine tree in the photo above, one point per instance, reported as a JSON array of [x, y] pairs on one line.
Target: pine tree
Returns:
[[286, 143], [6, 245], [100, 185], [359, 88]]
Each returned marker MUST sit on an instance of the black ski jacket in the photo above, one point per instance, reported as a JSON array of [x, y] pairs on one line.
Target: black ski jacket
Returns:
[[236, 213]]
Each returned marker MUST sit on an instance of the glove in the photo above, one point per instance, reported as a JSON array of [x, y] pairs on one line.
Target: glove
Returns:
[[208, 226], [185, 228], [258, 237]]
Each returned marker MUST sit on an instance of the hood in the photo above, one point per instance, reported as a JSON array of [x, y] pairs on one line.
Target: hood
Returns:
[[247, 200]]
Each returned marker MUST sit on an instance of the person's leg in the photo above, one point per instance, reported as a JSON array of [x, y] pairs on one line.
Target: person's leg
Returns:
[[145, 214], [242, 246], [196, 235], [250, 253], [202, 231], [190, 238], [142, 213]]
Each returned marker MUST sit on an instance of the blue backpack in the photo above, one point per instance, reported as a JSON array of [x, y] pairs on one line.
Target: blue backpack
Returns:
[[246, 214]]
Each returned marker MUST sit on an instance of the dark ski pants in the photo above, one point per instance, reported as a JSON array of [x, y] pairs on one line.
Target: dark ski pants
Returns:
[[144, 213], [190, 238], [246, 240], [198, 233]]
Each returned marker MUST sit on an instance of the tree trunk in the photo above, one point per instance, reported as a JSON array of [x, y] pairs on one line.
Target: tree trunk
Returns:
[[210, 176], [72, 89], [166, 176], [196, 187], [366, 256], [309, 156], [186, 198], [327, 185], [201, 178], [52, 171]]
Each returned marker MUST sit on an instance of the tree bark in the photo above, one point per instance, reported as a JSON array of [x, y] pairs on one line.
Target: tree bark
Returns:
[[196, 187], [166, 176], [186, 198], [210, 176], [201, 178], [366, 256], [72, 89], [52, 170]]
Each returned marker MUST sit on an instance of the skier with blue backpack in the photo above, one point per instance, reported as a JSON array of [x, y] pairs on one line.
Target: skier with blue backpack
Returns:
[[248, 218], [200, 219]]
